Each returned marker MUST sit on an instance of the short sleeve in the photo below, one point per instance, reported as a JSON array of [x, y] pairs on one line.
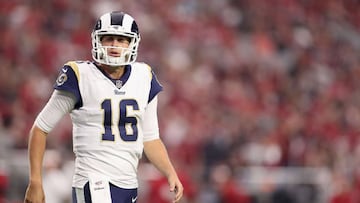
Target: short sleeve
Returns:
[[67, 81], [155, 88]]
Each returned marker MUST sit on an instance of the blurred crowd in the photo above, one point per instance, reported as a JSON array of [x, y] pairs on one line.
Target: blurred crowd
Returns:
[[247, 83]]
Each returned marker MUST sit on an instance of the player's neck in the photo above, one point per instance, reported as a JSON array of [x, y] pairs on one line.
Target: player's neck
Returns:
[[113, 72]]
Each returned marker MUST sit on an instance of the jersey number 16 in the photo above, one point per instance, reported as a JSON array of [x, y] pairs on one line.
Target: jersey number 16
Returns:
[[123, 120]]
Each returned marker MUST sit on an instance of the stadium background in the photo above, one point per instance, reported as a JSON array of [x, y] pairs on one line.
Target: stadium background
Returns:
[[261, 100]]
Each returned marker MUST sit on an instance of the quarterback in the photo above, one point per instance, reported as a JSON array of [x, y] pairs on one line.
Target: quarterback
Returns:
[[112, 102]]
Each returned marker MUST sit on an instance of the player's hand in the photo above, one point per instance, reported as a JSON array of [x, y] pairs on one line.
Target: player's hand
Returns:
[[176, 187], [34, 194]]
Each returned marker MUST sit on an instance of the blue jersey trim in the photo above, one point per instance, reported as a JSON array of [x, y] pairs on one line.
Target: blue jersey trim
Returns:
[[155, 88], [123, 78], [67, 81]]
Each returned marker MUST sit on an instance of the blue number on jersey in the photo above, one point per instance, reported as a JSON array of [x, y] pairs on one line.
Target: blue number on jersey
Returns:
[[124, 119]]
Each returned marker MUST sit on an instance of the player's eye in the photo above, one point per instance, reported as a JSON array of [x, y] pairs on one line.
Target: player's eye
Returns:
[[123, 39]]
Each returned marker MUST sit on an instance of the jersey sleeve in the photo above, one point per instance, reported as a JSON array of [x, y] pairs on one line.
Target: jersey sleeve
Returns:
[[150, 123], [155, 88], [68, 81], [58, 105]]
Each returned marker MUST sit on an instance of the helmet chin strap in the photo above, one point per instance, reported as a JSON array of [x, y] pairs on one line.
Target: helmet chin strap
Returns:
[[104, 58], [116, 61], [113, 59]]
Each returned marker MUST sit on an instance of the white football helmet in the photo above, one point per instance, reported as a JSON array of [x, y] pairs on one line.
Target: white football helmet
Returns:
[[115, 23]]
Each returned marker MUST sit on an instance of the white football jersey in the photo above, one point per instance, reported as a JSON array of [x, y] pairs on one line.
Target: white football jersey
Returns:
[[107, 120]]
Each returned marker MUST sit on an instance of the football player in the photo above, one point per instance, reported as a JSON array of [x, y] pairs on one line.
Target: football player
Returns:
[[112, 102]]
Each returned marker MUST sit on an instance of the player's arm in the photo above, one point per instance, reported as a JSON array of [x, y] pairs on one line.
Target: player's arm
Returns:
[[59, 104], [156, 152], [37, 144]]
